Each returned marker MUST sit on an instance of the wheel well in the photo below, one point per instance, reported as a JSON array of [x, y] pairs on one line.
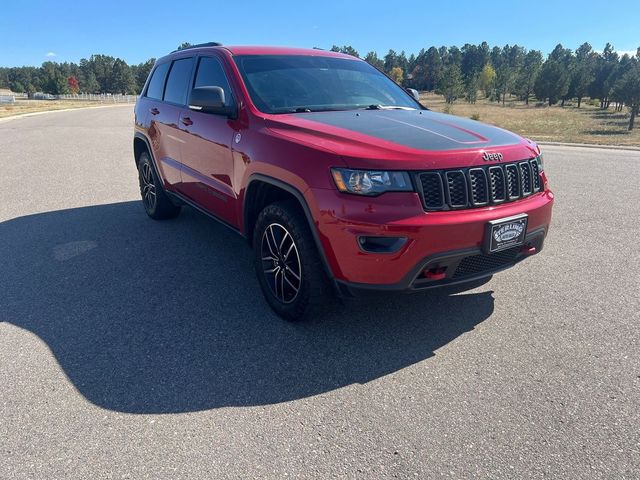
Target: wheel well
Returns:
[[139, 146], [259, 195]]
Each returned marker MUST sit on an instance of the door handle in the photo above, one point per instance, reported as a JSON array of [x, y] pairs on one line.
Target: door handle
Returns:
[[154, 111], [186, 121]]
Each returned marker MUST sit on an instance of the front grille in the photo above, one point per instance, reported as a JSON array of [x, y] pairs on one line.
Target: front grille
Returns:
[[475, 264], [478, 186]]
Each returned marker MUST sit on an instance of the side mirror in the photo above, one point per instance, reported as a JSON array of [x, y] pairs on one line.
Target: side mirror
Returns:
[[209, 100], [414, 93]]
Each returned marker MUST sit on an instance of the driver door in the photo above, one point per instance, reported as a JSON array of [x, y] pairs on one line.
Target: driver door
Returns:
[[207, 159]]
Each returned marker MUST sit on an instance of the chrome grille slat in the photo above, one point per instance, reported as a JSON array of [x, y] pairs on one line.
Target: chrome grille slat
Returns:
[[475, 187]]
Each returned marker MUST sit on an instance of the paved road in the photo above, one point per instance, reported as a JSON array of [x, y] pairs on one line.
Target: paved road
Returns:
[[136, 349]]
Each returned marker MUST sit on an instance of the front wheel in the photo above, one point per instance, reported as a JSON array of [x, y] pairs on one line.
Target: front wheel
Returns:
[[287, 262]]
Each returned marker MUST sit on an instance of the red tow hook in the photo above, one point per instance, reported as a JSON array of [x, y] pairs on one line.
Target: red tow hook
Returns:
[[528, 250], [435, 273]]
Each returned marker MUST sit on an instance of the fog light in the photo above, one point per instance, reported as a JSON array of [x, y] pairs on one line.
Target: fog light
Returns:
[[381, 244]]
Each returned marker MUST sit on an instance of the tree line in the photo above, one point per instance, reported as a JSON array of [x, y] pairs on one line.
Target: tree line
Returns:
[[460, 73], [97, 74], [456, 73]]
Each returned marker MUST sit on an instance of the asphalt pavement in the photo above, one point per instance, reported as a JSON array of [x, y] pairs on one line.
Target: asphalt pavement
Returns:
[[138, 349]]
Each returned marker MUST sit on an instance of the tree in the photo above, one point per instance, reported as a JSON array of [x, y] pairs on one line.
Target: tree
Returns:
[[527, 75], [141, 72], [390, 60], [74, 87], [487, 79], [628, 89], [471, 88], [582, 72], [372, 59], [348, 49], [55, 82], [431, 69], [451, 84], [89, 84], [507, 63], [552, 83], [397, 75], [122, 80], [184, 45], [602, 84]]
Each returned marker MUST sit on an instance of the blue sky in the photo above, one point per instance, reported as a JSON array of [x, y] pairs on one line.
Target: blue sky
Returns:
[[36, 31]]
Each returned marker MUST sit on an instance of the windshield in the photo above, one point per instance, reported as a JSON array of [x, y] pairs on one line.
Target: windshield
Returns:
[[303, 83]]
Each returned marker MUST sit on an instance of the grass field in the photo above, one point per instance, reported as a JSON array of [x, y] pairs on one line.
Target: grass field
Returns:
[[588, 124], [32, 106]]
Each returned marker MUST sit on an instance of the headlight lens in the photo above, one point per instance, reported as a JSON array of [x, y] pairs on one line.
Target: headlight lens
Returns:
[[541, 162], [371, 182]]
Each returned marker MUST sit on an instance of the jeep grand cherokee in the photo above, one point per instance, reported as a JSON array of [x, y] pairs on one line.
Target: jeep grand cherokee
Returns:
[[340, 179]]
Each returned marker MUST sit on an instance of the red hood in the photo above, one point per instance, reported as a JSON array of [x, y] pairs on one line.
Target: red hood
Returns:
[[415, 139]]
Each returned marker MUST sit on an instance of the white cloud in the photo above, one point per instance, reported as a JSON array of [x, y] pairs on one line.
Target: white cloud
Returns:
[[50, 54]]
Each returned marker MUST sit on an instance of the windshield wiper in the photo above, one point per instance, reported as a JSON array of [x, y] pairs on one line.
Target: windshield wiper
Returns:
[[388, 107], [307, 110]]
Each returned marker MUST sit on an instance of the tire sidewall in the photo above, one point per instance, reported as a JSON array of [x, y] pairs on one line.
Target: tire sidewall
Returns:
[[278, 213], [145, 159]]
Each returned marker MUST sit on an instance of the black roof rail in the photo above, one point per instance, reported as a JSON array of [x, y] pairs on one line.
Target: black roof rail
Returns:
[[199, 45]]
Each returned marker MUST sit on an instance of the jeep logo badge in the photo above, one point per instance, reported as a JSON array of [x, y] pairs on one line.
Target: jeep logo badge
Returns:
[[488, 157]]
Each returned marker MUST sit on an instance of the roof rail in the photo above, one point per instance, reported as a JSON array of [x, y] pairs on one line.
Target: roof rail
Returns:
[[199, 45]]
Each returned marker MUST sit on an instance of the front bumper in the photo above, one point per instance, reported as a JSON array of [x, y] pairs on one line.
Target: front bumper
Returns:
[[435, 240]]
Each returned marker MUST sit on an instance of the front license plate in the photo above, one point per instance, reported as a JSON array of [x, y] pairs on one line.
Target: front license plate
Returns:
[[505, 233]]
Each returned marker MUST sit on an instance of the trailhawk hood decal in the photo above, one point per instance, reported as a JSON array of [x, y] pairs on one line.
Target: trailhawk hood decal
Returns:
[[416, 129]]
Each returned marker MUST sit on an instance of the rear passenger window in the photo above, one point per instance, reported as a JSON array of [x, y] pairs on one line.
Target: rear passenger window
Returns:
[[156, 84], [178, 81], [211, 74]]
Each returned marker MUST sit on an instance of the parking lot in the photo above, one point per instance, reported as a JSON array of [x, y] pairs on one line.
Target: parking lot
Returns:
[[138, 349]]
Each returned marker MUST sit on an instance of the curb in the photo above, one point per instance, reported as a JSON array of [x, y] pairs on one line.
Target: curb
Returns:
[[34, 114], [591, 145]]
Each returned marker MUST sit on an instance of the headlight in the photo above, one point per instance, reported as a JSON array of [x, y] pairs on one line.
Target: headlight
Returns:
[[371, 182], [541, 162]]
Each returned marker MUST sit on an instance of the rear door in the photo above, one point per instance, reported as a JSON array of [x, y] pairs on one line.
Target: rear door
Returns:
[[163, 121], [167, 134], [207, 158]]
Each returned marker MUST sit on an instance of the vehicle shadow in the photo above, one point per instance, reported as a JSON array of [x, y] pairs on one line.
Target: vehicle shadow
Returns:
[[165, 317]]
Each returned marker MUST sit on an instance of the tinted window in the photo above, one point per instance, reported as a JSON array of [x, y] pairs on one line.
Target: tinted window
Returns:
[[178, 81], [156, 84], [210, 74], [289, 83]]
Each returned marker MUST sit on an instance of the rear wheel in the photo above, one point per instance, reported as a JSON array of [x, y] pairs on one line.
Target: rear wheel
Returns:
[[156, 202], [287, 262]]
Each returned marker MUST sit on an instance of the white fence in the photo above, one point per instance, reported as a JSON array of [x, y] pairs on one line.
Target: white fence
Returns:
[[10, 99], [104, 98]]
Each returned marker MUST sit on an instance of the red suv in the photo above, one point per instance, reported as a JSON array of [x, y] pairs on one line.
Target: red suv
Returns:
[[340, 179]]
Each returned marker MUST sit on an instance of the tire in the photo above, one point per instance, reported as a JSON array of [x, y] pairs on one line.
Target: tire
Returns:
[[156, 202], [287, 262]]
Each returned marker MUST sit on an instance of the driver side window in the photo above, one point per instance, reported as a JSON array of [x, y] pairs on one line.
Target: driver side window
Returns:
[[211, 74]]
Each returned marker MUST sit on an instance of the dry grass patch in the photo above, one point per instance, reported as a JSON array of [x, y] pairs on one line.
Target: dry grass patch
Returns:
[[21, 107], [588, 124]]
